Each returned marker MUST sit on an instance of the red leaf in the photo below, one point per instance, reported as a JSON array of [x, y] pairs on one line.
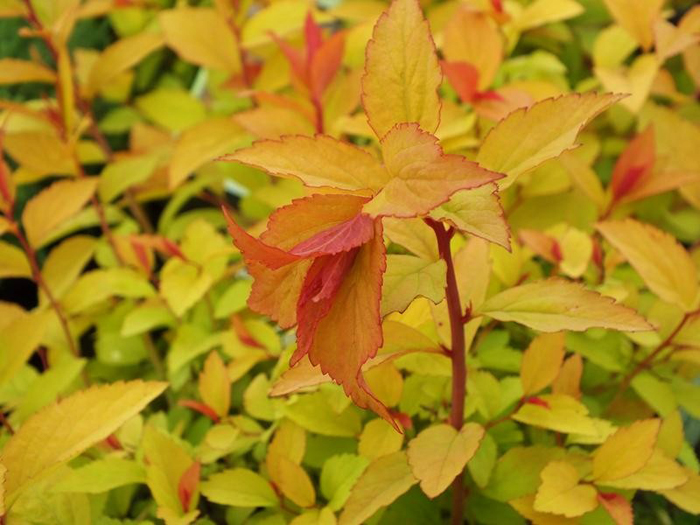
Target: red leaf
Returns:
[[325, 64], [254, 250], [187, 485], [619, 508], [464, 78], [313, 36], [200, 407], [339, 238], [635, 164], [497, 5], [534, 400]]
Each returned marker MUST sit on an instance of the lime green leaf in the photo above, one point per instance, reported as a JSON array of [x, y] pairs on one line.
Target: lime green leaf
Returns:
[[408, 277], [102, 475], [239, 487]]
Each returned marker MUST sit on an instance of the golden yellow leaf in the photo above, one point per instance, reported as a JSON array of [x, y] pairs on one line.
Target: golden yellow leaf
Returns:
[[201, 36], [686, 496], [402, 73], [658, 257], [378, 439], [529, 136], [124, 54], [561, 493], [635, 80], [659, 473], [568, 381], [200, 144], [637, 18], [525, 505], [214, 384], [555, 304], [18, 339], [559, 413], [13, 261], [65, 263], [440, 453], [46, 439], [626, 451], [671, 40], [13, 71], [543, 12], [289, 441], [45, 212], [384, 480], [541, 362], [40, 152], [291, 479], [473, 37]]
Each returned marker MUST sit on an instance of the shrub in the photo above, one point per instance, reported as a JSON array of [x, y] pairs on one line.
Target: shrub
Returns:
[[463, 283]]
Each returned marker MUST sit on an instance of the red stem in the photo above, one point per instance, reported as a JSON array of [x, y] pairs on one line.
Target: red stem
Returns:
[[458, 355]]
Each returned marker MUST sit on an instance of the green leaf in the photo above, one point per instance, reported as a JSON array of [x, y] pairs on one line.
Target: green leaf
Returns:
[[338, 475], [408, 277], [102, 475], [239, 487]]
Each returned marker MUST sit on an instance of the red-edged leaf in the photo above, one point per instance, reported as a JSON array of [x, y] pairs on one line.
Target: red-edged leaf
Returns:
[[187, 486], [254, 250], [542, 244], [619, 508], [325, 64], [339, 238], [635, 164]]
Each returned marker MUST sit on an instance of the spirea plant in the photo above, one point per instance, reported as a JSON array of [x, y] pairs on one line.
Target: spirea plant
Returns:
[[347, 263]]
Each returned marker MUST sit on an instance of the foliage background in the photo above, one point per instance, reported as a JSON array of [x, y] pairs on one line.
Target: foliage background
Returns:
[[174, 308]]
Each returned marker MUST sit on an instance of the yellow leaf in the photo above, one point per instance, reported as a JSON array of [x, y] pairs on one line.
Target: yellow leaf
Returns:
[[561, 493], [13, 71], [321, 161], [577, 249], [384, 480], [658, 257], [568, 381], [201, 36], [289, 441], [3, 476], [477, 212], [283, 17], [13, 262], [98, 285], [671, 435], [473, 37], [686, 496], [407, 277], [635, 80], [439, 454], [124, 54], [526, 507], [45, 212], [200, 144], [124, 173], [541, 362], [291, 479], [214, 385], [612, 46], [562, 414], [402, 73], [529, 136], [555, 304], [659, 473], [543, 12], [378, 439], [40, 152], [626, 451], [324, 516], [637, 18], [64, 264], [671, 40], [239, 487], [18, 339], [172, 108], [45, 439], [422, 176]]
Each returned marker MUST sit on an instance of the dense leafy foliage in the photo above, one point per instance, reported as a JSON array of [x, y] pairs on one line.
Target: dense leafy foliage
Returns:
[[463, 283]]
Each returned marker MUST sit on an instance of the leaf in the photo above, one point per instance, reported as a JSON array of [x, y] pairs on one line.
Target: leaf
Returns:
[[202, 143], [568, 381], [291, 479], [124, 54], [45, 212], [171, 108], [637, 80], [543, 12], [102, 475], [555, 304], [378, 439], [214, 385], [471, 37], [18, 339], [321, 161], [41, 152], [525, 505], [421, 175], [13, 71], [124, 173], [541, 362], [45, 440], [338, 476], [13, 262], [637, 18], [239, 487], [314, 413], [660, 260], [559, 413], [324, 516], [529, 136], [289, 441], [686, 496], [618, 507], [478, 212], [65, 263], [439, 454], [561, 493], [634, 165], [201, 36], [402, 73], [384, 480], [408, 277], [98, 285], [626, 451], [659, 473]]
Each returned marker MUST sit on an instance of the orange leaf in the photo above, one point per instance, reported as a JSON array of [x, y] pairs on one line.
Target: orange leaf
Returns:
[[275, 292], [325, 63], [422, 175], [187, 486], [634, 165], [619, 508]]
